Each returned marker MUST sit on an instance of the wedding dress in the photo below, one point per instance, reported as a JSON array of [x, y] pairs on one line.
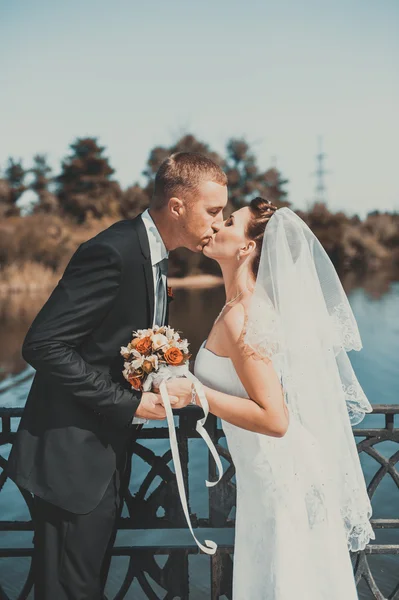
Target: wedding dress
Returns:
[[302, 501], [290, 543]]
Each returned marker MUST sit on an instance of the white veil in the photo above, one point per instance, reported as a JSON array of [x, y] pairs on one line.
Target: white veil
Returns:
[[300, 317]]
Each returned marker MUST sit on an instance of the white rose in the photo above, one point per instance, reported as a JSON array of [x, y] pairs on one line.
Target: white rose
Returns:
[[136, 364], [183, 346], [169, 333], [142, 333], [158, 340], [153, 360]]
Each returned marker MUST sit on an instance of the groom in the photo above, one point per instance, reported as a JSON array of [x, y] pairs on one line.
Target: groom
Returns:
[[71, 450]]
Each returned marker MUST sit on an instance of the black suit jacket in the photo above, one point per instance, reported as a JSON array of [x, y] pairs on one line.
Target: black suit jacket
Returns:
[[77, 416]]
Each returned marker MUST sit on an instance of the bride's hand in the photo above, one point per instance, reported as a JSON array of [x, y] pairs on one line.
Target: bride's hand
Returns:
[[179, 387]]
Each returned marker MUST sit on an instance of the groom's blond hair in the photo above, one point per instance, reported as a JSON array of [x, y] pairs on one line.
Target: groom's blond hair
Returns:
[[181, 174]]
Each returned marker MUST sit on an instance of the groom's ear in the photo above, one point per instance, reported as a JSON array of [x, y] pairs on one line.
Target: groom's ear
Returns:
[[176, 207]]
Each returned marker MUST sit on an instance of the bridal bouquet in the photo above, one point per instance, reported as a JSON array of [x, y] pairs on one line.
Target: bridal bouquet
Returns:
[[151, 357], [154, 355]]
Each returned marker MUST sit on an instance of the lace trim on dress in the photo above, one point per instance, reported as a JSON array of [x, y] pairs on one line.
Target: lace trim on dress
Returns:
[[346, 328], [356, 402], [358, 535]]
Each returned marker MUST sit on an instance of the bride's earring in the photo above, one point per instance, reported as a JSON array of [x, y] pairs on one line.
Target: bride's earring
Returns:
[[238, 256]]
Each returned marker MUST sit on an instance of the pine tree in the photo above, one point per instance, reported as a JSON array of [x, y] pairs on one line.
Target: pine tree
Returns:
[[12, 187], [85, 187], [7, 209], [246, 181], [40, 171], [47, 202]]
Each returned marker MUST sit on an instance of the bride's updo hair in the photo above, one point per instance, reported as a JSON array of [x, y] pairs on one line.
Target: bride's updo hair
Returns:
[[261, 212]]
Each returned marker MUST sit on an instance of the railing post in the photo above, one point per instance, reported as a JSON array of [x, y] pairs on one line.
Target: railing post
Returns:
[[389, 421]]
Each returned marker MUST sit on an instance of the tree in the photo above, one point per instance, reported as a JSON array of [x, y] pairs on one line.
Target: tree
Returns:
[[246, 181], [134, 201], [329, 228], [7, 209], [47, 202], [272, 183], [40, 171], [12, 187], [85, 187]]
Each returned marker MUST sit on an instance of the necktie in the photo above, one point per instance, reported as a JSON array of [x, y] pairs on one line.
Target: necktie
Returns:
[[160, 313]]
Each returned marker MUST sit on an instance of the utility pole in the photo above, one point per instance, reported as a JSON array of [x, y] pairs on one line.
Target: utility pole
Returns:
[[320, 189]]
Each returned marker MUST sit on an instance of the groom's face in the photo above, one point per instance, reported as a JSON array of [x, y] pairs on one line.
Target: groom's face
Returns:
[[202, 213]]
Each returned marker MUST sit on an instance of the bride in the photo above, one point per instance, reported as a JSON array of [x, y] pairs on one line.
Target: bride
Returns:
[[275, 370]]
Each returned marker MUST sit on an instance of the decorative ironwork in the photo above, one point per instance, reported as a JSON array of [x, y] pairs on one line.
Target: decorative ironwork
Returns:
[[158, 565]]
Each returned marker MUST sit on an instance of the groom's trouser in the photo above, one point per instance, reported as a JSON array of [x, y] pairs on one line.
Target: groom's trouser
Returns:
[[72, 553]]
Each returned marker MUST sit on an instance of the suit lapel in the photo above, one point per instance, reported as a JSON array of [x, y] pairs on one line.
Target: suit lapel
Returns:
[[147, 266]]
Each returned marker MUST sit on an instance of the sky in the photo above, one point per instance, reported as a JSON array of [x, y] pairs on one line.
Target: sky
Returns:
[[281, 74]]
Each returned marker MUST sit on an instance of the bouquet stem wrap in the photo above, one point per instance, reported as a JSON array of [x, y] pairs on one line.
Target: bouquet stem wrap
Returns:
[[159, 378]]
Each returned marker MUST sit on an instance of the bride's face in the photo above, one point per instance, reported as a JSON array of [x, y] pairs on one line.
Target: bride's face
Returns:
[[230, 237]]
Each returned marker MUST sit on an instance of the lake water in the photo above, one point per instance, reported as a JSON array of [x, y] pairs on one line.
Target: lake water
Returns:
[[193, 312]]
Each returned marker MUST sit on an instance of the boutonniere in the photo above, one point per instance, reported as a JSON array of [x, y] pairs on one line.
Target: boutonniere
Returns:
[[170, 293]]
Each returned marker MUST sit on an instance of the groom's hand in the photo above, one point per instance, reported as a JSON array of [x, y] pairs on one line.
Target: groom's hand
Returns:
[[151, 407]]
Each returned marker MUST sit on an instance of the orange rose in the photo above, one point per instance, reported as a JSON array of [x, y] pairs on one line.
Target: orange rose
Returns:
[[144, 346], [135, 382], [174, 356]]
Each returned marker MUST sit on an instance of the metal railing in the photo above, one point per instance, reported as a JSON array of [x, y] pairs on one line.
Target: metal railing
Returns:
[[143, 508]]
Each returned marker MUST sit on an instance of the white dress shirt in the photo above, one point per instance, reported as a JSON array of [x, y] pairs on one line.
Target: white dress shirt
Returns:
[[158, 252]]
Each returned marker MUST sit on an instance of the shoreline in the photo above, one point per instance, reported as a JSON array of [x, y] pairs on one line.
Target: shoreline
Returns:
[[44, 281], [199, 281]]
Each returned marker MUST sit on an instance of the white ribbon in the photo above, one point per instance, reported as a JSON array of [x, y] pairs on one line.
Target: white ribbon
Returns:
[[168, 373]]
